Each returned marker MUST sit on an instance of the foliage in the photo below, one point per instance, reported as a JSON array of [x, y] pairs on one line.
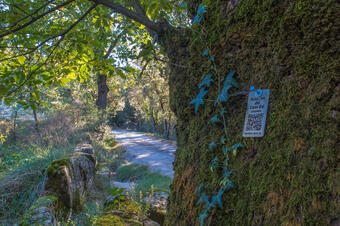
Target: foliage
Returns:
[[40, 49]]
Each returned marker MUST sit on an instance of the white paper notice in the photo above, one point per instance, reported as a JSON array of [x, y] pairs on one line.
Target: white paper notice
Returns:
[[256, 115]]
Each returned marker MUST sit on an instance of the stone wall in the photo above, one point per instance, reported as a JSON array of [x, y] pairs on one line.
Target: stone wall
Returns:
[[68, 180]]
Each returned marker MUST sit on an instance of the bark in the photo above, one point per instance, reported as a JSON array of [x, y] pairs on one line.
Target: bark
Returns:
[[152, 119], [36, 126], [14, 125], [103, 89], [288, 177]]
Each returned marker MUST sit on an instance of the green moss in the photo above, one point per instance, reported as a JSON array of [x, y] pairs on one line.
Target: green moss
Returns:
[[288, 177], [124, 213], [110, 219], [45, 201], [34, 216], [58, 164]]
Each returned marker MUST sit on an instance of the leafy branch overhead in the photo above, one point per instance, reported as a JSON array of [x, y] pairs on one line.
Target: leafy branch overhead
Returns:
[[52, 42]]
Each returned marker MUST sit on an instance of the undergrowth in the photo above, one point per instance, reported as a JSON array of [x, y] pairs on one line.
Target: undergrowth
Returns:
[[23, 161]]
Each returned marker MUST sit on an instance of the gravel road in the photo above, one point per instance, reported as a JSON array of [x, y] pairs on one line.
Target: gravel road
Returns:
[[143, 149]]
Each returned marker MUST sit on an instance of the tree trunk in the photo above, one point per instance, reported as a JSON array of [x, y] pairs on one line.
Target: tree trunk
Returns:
[[289, 176], [14, 125], [102, 92], [152, 119], [36, 126]]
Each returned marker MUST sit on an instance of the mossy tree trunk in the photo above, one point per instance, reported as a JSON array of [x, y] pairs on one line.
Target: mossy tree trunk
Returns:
[[291, 175]]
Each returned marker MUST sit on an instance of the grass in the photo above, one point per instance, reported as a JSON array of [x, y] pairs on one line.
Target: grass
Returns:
[[132, 172], [143, 177], [22, 177], [160, 182], [23, 161]]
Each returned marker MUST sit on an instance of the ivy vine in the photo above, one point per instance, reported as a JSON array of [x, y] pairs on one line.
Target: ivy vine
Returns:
[[225, 183]]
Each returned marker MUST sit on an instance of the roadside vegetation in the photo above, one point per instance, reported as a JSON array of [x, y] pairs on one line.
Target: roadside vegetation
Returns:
[[23, 161]]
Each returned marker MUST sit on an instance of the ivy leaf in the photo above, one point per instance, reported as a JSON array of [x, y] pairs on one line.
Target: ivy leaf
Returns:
[[206, 81], [223, 97], [198, 100], [203, 198], [212, 145], [225, 181], [197, 19], [202, 217], [200, 187], [214, 163], [201, 9], [218, 197], [226, 150], [206, 52], [222, 111], [231, 80], [238, 145], [223, 140], [227, 173], [215, 119], [228, 83], [229, 185]]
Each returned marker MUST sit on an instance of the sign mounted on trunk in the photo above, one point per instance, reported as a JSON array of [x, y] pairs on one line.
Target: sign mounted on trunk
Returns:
[[256, 115]]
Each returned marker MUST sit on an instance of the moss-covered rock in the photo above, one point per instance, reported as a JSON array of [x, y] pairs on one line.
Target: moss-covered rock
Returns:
[[70, 178], [42, 212], [291, 175], [124, 212]]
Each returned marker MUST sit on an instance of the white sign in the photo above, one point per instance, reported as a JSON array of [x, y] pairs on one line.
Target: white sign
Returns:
[[256, 115]]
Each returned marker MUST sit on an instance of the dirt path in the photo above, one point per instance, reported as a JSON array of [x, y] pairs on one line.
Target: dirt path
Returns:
[[143, 149]]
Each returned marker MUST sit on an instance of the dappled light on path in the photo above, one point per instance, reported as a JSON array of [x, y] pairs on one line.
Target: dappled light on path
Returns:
[[143, 149]]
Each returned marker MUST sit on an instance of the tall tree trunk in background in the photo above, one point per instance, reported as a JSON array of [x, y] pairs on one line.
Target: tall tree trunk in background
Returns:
[[165, 128], [167, 125], [103, 89], [152, 119], [15, 125], [36, 125]]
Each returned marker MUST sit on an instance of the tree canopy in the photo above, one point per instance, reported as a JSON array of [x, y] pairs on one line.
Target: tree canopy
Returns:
[[48, 43]]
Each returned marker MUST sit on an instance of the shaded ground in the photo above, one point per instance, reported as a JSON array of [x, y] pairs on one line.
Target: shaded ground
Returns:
[[146, 150]]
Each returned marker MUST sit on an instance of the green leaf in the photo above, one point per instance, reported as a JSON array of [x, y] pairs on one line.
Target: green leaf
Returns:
[[72, 75], [121, 73], [21, 59]]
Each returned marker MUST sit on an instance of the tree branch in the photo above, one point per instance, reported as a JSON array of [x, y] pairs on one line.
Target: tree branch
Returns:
[[31, 14], [62, 35], [35, 19], [140, 11], [130, 14], [55, 36], [113, 45]]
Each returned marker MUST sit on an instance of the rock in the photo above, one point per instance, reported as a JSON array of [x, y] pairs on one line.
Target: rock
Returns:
[[68, 180], [70, 177], [157, 203], [43, 212]]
